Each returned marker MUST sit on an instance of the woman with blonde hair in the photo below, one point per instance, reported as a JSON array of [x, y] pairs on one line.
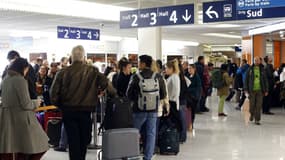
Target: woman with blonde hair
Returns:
[[173, 87]]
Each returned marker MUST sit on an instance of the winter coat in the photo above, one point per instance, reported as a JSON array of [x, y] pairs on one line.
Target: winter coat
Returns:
[[20, 131], [224, 91], [249, 81]]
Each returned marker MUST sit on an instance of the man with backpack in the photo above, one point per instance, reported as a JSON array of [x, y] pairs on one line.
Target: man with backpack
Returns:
[[145, 90]]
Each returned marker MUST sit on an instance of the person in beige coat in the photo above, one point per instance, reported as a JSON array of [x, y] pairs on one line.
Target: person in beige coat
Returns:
[[224, 91], [21, 135]]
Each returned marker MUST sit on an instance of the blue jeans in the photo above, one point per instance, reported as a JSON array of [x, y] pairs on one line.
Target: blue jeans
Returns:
[[149, 119], [63, 138]]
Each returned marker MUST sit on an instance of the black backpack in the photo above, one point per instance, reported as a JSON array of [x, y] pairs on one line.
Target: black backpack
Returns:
[[217, 79], [118, 114]]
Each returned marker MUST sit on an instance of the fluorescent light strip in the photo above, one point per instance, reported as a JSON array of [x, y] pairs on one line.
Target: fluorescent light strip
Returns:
[[180, 43], [222, 35], [267, 29], [223, 26], [73, 8]]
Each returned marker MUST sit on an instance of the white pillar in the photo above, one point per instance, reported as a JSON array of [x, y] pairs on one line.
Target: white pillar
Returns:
[[149, 42]]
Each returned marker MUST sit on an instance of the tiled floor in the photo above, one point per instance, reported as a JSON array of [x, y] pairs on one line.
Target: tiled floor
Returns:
[[225, 139]]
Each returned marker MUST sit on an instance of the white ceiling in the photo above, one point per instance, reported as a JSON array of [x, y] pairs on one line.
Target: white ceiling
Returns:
[[17, 20]]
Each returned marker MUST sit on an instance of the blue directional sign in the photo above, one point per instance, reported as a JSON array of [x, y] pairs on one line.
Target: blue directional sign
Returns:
[[149, 17], [229, 10], [219, 11], [247, 4], [260, 9], [77, 33]]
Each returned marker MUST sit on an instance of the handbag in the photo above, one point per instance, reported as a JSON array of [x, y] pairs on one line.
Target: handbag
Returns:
[[191, 100]]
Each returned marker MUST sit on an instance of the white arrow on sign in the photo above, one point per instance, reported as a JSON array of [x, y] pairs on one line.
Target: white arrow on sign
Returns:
[[186, 17], [209, 13], [96, 35]]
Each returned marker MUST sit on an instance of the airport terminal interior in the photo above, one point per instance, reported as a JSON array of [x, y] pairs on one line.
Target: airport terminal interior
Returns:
[[227, 37]]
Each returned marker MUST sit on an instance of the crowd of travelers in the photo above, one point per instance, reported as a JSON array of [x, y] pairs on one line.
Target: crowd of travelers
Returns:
[[176, 91]]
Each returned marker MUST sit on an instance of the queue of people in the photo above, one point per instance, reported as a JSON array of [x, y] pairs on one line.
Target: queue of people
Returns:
[[176, 91]]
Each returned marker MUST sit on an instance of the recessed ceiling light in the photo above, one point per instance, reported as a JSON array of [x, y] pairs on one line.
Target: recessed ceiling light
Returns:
[[224, 26], [222, 35]]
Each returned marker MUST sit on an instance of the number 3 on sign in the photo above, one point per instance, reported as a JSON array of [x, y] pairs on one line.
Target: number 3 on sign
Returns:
[[173, 17], [153, 18], [78, 34]]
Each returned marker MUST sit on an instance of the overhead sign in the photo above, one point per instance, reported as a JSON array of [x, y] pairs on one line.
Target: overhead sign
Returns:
[[242, 10], [246, 4], [149, 17], [77, 33], [260, 9], [219, 11]]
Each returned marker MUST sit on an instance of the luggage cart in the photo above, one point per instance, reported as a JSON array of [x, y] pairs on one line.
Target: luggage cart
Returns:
[[95, 144]]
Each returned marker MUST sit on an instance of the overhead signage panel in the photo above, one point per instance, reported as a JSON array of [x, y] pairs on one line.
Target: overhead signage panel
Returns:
[[77, 33], [219, 11], [242, 10], [257, 4], [150, 17]]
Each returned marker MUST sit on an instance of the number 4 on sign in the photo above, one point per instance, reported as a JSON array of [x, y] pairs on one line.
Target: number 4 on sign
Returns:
[[173, 17]]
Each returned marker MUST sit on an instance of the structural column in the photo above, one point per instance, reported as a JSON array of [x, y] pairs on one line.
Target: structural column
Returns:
[[149, 42]]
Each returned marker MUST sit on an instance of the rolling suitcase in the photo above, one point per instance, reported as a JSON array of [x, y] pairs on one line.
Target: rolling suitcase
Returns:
[[168, 137], [121, 144], [54, 131]]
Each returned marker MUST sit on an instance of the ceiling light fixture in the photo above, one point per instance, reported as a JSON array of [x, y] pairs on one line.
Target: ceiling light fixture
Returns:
[[74, 8], [223, 26], [222, 35], [179, 43], [267, 29]]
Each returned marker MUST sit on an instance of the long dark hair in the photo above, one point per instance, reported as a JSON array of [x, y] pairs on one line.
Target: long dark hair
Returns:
[[19, 65]]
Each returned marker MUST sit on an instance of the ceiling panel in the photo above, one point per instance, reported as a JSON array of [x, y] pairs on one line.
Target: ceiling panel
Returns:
[[15, 20]]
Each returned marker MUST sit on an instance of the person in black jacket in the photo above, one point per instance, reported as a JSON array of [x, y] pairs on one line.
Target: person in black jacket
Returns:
[[269, 72], [122, 80], [30, 77], [147, 118], [194, 90]]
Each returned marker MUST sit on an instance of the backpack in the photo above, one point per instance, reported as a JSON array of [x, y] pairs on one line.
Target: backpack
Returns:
[[217, 79], [149, 93]]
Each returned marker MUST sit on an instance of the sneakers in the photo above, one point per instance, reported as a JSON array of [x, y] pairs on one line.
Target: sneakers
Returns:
[[222, 115], [60, 149]]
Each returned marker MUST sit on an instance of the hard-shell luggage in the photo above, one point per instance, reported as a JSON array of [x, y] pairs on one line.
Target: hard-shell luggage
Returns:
[[54, 131], [121, 144], [168, 138]]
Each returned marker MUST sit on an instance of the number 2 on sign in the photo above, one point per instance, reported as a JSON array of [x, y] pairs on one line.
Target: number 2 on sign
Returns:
[[135, 22], [66, 33], [173, 17], [153, 18]]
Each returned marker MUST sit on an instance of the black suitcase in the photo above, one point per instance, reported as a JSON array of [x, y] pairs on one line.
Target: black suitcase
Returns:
[[168, 138], [54, 131], [118, 114]]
